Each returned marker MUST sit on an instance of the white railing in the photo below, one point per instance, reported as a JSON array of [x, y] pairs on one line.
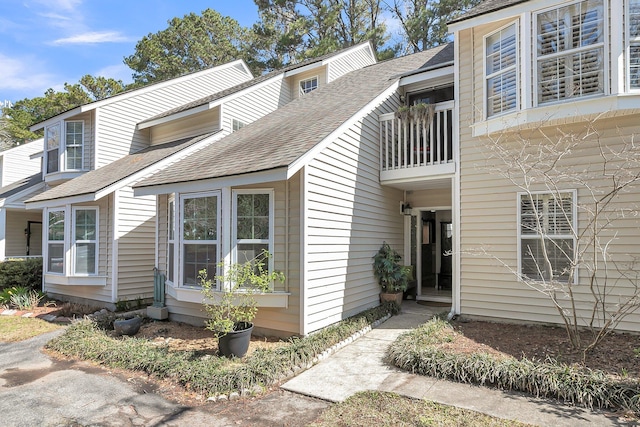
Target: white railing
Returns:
[[417, 140]]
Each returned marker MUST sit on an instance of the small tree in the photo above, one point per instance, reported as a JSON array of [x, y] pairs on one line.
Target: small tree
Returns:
[[588, 277]]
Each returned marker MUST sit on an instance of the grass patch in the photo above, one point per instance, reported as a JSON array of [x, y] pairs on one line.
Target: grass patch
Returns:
[[14, 329], [380, 409], [208, 374], [424, 351]]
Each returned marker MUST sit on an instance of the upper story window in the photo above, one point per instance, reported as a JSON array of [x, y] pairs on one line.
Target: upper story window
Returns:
[[570, 51], [308, 85], [236, 125], [501, 82], [633, 37], [64, 148]]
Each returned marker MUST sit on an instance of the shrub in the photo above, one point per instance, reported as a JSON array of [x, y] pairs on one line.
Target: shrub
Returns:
[[20, 297], [418, 351], [21, 272]]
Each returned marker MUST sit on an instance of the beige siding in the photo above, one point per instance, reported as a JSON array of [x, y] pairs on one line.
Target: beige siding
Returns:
[[95, 294], [117, 133], [320, 72], [15, 163], [489, 204], [349, 216], [438, 197], [353, 61], [198, 124], [136, 245], [255, 104], [15, 237]]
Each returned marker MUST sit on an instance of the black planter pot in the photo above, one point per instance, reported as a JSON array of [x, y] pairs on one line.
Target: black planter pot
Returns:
[[236, 342]]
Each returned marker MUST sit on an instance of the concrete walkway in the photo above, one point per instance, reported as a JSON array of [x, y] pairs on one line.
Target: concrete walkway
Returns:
[[359, 366]]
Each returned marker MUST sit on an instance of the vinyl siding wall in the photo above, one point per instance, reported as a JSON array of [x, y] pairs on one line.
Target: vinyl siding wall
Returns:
[[255, 104], [349, 215], [16, 164], [117, 133], [353, 61], [96, 294], [489, 205], [136, 244], [198, 124]]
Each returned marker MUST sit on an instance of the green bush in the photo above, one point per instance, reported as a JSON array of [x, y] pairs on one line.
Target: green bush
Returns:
[[207, 374], [21, 272], [418, 351]]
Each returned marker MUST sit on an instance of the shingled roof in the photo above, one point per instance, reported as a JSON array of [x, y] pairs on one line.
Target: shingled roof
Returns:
[[485, 7], [20, 186], [244, 85], [100, 179], [280, 138]]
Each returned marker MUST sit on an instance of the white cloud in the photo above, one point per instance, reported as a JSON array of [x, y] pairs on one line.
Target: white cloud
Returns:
[[23, 73], [93, 37], [117, 72], [64, 5]]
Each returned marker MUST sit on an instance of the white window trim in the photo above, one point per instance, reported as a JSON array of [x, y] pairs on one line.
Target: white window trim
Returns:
[[605, 53], [627, 48], [64, 156], [301, 90], [234, 223], [63, 241], [486, 77], [574, 225], [171, 199], [74, 242], [180, 230]]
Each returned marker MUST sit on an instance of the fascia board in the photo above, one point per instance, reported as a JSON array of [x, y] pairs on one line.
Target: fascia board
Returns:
[[297, 164]]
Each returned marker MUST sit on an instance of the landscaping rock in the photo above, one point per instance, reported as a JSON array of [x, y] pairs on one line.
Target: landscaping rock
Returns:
[[127, 326]]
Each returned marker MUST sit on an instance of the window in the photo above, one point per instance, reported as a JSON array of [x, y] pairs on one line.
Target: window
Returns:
[[570, 51], [55, 241], [501, 71], [634, 43], [236, 125], [52, 145], [200, 224], [73, 144], [547, 224], [171, 239], [308, 85], [85, 240]]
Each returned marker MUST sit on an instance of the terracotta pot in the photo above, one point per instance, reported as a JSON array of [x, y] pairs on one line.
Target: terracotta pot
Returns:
[[236, 343], [388, 296]]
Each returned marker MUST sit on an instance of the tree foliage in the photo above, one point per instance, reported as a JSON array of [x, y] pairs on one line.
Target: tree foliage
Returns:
[[189, 44], [424, 22]]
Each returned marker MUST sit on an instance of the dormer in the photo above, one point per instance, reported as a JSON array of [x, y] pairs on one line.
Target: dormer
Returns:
[[539, 61]]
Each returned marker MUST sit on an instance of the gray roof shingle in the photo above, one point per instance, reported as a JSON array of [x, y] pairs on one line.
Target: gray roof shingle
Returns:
[[99, 179], [485, 7], [279, 138], [244, 85], [20, 185]]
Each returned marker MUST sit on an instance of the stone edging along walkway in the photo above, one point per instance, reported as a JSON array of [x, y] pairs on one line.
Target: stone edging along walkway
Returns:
[[44, 316]]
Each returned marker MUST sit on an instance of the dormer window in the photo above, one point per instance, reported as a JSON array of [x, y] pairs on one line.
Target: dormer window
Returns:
[[64, 148], [308, 85], [570, 51]]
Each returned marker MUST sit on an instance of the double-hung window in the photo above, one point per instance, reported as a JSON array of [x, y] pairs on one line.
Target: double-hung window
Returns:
[[633, 34], [85, 240], [252, 233], [501, 79], [308, 85], [55, 241], [73, 145], [570, 55], [547, 235], [52, 147], [200, 233]]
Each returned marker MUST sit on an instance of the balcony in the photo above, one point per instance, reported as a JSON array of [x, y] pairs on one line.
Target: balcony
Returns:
[[417, 144]]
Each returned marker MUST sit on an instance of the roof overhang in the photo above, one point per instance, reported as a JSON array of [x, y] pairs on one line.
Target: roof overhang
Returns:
[[488, 17]]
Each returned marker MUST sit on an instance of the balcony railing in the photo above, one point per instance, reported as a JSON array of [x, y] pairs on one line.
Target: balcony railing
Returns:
[[417, 139]]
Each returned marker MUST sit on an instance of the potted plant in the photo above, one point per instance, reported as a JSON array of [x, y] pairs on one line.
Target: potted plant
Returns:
[[231, 309], [392, 276]]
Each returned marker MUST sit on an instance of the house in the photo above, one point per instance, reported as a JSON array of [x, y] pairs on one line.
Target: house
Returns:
[[99, 240], [20, 178], [544, 70], [305, 183]]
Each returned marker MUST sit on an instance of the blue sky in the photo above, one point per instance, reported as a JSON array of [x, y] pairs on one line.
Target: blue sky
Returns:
[[45, 43]]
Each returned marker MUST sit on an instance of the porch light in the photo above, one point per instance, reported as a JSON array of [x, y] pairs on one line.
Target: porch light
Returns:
[[406, 209]]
